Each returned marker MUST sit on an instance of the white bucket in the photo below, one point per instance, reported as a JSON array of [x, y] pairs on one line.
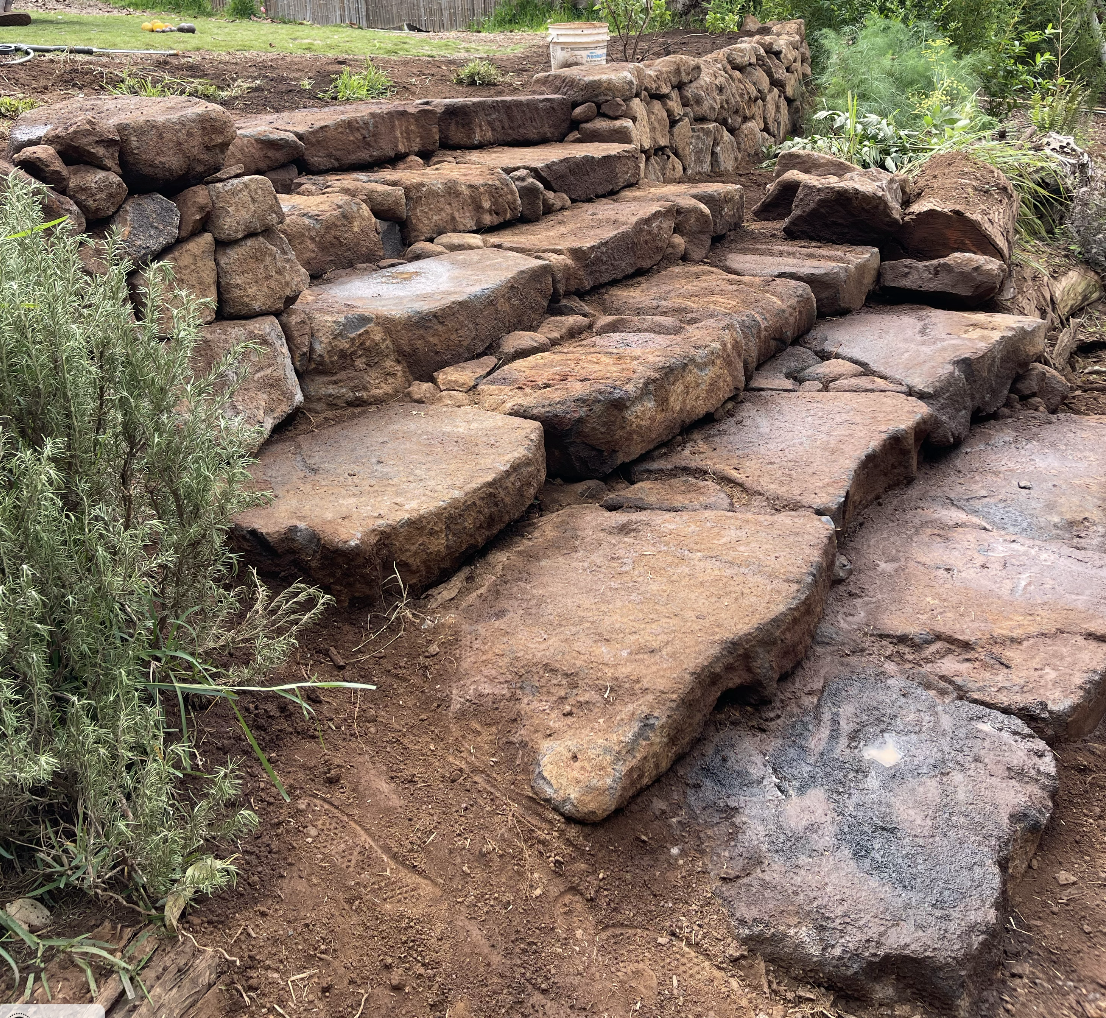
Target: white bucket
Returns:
[[577, 42]]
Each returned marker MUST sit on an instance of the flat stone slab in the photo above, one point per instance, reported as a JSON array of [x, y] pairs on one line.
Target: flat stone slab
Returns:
[[833, 453], [502, 120], [452, 198], [606, 400], [957, 280], [583, 172], [370, 334], [413, 489], [671, 494], [597, 243], [607, 637], [354, 134], [868, 837], [958, 363], [989, 575], [767, 313], [840, 276], [725, 202]]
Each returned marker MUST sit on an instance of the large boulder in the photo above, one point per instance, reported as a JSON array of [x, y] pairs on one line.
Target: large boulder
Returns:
[[833, 453], [265, 386], [452, 198], [354, 134], [145, 225], [602, 640], [582, 171], [258, 275], [193, 264], [863, 207], [330, 231], [597, 243], [724, 202], [386, 202], [502, 120], [958, 363], [595, 83], [390, 492], [97, 193], [959, 204], [261, 148], [368, 335], [155, 143], [817, 164]]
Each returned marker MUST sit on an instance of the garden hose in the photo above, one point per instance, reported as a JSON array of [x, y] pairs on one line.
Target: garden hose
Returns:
[[16, 47]]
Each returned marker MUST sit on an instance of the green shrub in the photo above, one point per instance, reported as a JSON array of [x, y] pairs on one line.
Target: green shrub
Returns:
[[478, 72], [243, 9], [120, 605], [371, 83], [630, 20], [895, 71], [530, 16]]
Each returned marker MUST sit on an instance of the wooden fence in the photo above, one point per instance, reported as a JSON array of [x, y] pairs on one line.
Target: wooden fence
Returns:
[[427, 15]]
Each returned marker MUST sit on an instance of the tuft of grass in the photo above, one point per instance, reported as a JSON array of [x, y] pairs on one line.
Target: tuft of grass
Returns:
[[478, 72], [163, 85], [371, 83], [12, 105], [245, 9]]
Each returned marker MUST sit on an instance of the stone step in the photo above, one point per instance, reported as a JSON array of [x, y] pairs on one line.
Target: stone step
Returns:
[[866, 834], [363, 338], [840, 276], [502, 120], [834, 453], [593, 244], [609, 397], [958, 363], [725, 202], [582, 171], [988, 575], [413, 490], [604, 639]]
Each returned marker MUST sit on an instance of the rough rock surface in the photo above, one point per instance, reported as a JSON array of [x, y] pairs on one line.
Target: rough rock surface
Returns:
[[193, 263], [960, 279], [241, 206], [817, 164], [354, 134], [194, 206], [261, 149], [598, 242], [862, 207], [387, 202], [606, 400], [596, 83], [780, 196], [834, 453], [660, 611], [97, 193], [986, 575], [959, 204], [267, 388], [392, 489], [671, 494], [452, 198], [502, 120], [839, 276], [371, 334], [694, 221], [330, 231], [1044, 382], [147, 224], [258, 275], [956, 362], [869, 835], [768, 313], [43, 163], [160, 143], [581, 171], [725, 202]]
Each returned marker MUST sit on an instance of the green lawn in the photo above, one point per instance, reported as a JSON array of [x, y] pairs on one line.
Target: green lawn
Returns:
[[123, 31]]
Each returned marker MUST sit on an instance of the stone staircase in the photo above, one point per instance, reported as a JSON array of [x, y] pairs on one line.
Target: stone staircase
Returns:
[[651, 453]]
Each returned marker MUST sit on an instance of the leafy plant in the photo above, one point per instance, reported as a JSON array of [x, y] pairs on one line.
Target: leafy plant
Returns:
[[120, 604], [244, 9], [478, 72], [12, 105], [629, 20], [135, 84], [371, 83]]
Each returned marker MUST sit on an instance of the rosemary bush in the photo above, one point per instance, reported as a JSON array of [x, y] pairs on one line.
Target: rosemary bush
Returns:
[[119, 601]]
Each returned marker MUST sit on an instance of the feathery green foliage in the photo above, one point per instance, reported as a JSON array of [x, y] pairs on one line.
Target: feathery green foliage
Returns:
[[478, 72], [371, 83], [119, 601]]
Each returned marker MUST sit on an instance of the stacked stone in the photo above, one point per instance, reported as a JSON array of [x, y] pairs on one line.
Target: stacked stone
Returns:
[[693, 116]]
